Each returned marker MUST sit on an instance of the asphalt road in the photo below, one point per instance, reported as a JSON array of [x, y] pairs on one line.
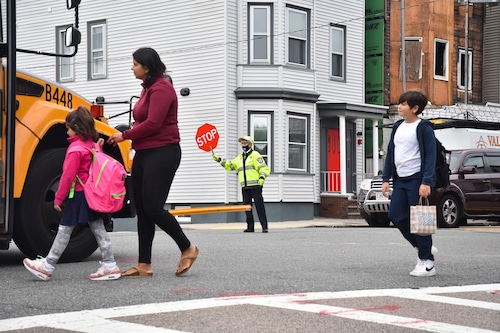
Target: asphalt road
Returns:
[[293, 279]]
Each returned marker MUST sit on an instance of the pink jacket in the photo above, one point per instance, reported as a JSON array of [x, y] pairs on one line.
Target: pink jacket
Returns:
[[75, 163]]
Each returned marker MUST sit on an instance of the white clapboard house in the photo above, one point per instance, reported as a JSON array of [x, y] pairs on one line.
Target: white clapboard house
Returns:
[[289, 73]]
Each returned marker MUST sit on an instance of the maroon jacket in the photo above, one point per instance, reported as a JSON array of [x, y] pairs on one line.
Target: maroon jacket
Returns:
[[155, 115]]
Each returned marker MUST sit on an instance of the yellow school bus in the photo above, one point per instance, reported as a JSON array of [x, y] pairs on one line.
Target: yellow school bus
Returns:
[[33, 143]]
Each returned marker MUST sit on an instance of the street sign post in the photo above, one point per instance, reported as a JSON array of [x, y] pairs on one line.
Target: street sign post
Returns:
[[207, 137]]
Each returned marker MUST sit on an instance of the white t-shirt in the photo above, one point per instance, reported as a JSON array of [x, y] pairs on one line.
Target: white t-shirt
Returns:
[[406, 149]]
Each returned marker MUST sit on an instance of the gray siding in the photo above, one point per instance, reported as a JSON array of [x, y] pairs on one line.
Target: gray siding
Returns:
[[351, 15], [491, 65]]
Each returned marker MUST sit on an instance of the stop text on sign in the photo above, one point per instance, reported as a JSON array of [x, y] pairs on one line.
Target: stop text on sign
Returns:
[[207, 137]]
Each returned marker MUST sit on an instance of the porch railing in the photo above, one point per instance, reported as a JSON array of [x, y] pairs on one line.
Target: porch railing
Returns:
[[330, 181]]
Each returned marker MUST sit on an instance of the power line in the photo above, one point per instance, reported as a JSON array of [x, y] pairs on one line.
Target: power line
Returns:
[[224, 44]]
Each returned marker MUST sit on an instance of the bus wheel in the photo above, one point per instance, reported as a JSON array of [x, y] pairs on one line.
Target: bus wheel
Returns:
[[36, 221]]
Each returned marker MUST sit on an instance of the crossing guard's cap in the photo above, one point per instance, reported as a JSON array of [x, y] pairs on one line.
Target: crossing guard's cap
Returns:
[[246, 138]]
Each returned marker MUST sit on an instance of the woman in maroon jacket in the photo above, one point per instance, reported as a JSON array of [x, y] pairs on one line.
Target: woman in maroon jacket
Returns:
[[155, 138]]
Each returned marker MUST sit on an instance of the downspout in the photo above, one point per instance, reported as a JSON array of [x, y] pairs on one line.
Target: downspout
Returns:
[[450, 84]]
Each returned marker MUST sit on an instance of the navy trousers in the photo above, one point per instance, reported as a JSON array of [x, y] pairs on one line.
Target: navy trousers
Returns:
[[404, 195]]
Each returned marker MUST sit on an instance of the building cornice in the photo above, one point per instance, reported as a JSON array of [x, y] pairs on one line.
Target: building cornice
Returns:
[[352, 110], [276, 93]]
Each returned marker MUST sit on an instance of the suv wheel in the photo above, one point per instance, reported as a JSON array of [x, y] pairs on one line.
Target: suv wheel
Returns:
[[376, 220], [449, 212]]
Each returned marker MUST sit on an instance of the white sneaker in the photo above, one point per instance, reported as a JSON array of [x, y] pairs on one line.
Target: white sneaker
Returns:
[[37, 267], [424, 268], [105, 274]]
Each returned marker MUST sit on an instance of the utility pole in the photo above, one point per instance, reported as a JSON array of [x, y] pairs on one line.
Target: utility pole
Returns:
[[403, 48]]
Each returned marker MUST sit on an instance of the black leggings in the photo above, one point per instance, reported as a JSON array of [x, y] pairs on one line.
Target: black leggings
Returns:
[[152, 175]]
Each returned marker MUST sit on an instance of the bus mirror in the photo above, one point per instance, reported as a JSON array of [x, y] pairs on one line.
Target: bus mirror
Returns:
[[73, 36], [72, 3]]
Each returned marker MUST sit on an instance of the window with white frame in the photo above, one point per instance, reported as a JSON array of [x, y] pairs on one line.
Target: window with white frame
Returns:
[[97, 50], [297, 142], [462, 68], [260, 27], [337, 51], [260, 130], [298, 36], [65, 66], [440, 59]]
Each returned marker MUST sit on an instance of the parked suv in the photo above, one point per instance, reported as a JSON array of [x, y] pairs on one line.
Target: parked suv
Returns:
[[473, 193]]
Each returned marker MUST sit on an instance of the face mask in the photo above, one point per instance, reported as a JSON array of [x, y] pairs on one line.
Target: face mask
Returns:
[[245, 148]]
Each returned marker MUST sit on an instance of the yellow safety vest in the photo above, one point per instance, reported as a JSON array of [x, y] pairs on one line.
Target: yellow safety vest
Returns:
[[254, 167]]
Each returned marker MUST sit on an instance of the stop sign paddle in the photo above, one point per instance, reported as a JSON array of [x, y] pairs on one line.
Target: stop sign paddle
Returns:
[[207, 137]]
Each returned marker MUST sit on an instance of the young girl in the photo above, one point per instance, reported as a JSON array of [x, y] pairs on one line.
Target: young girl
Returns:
[[81, 132]]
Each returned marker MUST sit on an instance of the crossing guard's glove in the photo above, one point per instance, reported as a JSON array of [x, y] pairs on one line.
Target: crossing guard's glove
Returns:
[[261, 181]]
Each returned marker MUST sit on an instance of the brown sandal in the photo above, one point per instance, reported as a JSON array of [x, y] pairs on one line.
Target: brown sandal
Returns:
[[187, 262], [136, 271]]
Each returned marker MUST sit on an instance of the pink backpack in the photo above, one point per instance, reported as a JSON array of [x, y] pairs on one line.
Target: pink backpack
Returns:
[[105, 188]]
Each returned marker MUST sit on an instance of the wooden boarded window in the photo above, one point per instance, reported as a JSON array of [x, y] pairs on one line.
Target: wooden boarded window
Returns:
[[413, 60]]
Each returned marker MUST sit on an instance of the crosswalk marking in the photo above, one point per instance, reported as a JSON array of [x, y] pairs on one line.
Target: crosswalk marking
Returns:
[[107, 325], [379, 318], [101, 320]]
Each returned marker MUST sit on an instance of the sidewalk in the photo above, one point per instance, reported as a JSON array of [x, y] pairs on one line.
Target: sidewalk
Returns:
[[314, 223], [317, 222]]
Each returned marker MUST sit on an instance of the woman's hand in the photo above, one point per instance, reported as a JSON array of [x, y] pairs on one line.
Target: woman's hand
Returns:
[[115, 138], [58, 208]]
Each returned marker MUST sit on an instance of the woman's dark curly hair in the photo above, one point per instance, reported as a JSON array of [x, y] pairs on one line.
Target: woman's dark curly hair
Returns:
[[149, 58], [82, 122]]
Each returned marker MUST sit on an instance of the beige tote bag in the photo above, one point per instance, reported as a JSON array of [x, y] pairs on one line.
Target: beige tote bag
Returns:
[[423, 218]]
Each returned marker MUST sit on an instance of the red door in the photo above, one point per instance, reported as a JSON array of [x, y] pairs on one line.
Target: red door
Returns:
[[333, 176]]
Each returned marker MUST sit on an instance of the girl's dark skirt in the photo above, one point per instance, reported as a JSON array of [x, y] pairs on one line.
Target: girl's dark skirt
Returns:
[[77, 211]]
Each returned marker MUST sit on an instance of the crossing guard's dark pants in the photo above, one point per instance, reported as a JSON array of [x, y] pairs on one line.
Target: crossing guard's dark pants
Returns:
[[255, 192]]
